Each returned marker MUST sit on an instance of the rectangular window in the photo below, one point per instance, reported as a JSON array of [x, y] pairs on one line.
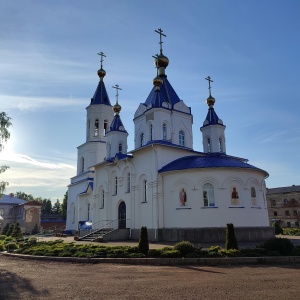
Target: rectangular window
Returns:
[[287, 212], [296, 224], [205, 198], [295, 212], [273, 202], [145, 190], [128, 183], [1, 211], [102, 199], [275, 213], [116, 185], [288, 224]]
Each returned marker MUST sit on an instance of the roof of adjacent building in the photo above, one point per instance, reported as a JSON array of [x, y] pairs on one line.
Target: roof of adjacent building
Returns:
[[283, 190], [208, 161], [168, 94], [100, 96], [9, 199]]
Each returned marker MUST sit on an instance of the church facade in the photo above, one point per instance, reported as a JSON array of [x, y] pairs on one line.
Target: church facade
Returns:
[[177, 192]]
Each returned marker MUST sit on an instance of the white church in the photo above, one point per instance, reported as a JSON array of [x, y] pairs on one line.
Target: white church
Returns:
[[163, 183]]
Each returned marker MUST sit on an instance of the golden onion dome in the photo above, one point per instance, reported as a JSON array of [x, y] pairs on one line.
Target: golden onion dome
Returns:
[[210, 101], [161, 61], [101, 73], [157, 81], [117, 108]]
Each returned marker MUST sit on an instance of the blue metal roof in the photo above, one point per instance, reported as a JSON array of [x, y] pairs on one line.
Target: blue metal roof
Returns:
[[116, 124], [167, 91], [118, 156], [100, 96], [211, 118], [208, 161], [91, 185], [8, 199]]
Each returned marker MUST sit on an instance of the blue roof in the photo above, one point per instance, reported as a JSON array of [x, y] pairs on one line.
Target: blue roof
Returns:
[[116, 124], [167, 91], [208, 161], [100, 96], [91, 185], [212, 118], [8, 199], [118, 156]]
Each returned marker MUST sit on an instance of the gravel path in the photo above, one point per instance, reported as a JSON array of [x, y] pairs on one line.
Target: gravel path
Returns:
[[27, 279]]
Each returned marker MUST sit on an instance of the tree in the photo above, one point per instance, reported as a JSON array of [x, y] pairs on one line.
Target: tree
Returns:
[[48, 206], [5, 228], [143, 242], [16, 230], [4, 136], [278, 229], [35, 229], [10, 229], [231, 242], [56, 209], [24, 196], [64, 206]]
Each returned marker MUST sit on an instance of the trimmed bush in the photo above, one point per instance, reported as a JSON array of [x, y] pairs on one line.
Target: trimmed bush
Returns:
[[2, 237], [231, 242], [170, 254], [35, 229], [281, 245], [185, 248], [16, 231], [11, 246], [291, 231], [214, 249], [143, 242], [32, 240], [154, 252], [2, 247]]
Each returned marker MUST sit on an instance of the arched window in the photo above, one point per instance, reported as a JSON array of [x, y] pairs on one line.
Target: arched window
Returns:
[[120, 148], [105, 127], [116, 185], [208, 195], [151, 132], [128, 182], [208, 145], [102, 199], [181, 138], [220, 145], [96, 129], [164, 131], [235, 199], [81, 165], [142, 139]]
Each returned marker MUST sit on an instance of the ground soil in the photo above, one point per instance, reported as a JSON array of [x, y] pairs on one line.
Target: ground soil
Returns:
[[30, 279]]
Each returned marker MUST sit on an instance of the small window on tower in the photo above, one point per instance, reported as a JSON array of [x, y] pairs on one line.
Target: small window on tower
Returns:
[[220, 144], [151, 132], [208, 145], [96, 133], [181, 138], [120, 148], [105, 127], [81, 165], [142, 139], [164, 132]]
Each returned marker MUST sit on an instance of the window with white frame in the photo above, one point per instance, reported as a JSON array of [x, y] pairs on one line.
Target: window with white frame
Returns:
[[120, 148], [145, 190], [208, 195], [220, 145], [102, 199], [181, 138], [164, 131], [105, 124], [82, 165]]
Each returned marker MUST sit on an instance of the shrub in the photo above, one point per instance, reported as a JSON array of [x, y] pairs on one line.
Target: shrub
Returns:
[[11, 246], [2, 247], [2, 237], [278, 229], [9, 239], [185, 247], [231, 242], [32, 240], [296, 251], [5, 229], [214, 249], [170, 254], [10, 229], [291, 231], [136, 255], [35, 229], [143, 242], [154, 252], [16, 231], [281, 245]]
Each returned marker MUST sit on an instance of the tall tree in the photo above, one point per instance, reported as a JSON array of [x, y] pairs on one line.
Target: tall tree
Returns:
[[64, 206], [48, 207], [24, 196], [4, 136], [56, 209]]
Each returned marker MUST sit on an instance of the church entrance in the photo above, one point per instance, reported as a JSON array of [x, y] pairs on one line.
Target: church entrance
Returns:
[[122, 215]]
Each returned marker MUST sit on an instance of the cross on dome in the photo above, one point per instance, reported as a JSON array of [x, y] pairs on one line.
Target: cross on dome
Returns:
[[209, 81], [102, 55], [117, 91], [160, 32]]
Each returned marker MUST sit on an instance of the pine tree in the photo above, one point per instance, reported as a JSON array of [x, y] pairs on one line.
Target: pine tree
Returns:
[[5, 228], [143, 242], [16, 230], [231, 242], [10, 229], [35, 229], [278, 229]]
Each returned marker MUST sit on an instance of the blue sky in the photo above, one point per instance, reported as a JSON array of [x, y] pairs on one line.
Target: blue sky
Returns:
[[49, 63]]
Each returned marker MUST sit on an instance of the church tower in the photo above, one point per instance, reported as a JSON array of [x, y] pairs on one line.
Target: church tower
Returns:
[[116, 142], [163, 117], [213, 130], [99, 116]]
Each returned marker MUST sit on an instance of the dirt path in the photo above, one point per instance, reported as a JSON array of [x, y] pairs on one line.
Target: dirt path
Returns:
[[27, 279]]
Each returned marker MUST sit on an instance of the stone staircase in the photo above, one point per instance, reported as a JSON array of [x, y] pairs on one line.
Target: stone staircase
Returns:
[[96, 235]]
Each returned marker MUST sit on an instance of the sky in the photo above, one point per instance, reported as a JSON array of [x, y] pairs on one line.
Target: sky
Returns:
[[48, 74]]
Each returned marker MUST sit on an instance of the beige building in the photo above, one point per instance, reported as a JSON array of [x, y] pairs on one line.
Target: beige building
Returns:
[[27, 213], [284, 205]]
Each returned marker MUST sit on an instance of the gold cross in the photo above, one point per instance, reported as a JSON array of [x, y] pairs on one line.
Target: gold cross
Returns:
[[160, 32]]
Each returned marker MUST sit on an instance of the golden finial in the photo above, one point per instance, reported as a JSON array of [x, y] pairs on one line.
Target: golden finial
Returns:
[[101, 73], [157, 81], [210, 100], [117, 108]]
